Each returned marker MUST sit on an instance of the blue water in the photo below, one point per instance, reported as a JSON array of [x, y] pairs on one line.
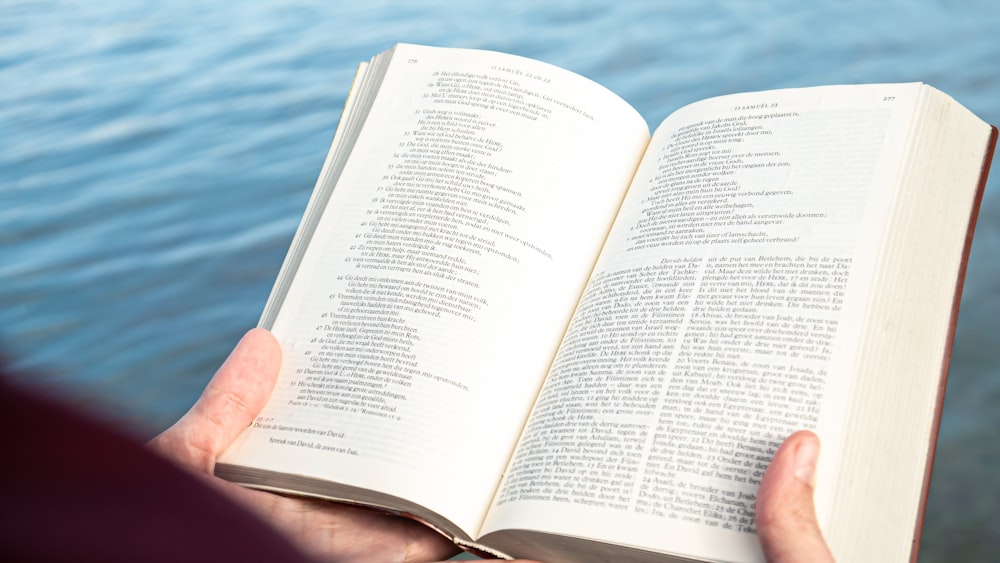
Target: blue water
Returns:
[[155, 158]]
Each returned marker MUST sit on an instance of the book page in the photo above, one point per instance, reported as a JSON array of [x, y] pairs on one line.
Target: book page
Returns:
[[890, 425], [438, 283], [715, 324]]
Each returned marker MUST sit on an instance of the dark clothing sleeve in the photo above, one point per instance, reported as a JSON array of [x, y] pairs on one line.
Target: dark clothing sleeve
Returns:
[[74, 489]]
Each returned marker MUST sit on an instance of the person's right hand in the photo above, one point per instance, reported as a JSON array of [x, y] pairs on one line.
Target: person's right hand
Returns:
[[786, 517]]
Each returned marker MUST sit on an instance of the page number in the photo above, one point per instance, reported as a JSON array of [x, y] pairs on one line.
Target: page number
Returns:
[[889, 99], [411, 61]]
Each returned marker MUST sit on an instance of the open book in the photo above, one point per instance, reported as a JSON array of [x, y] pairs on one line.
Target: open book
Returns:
[[513, 314]]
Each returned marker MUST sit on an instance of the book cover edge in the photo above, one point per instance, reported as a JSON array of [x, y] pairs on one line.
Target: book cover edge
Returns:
[[953, 323]]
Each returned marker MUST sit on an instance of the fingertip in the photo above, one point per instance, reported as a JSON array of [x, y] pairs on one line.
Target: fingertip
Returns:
[[260, 333], [806, 452], [254, 361], [786, 516], [793, 465], [262, 342]]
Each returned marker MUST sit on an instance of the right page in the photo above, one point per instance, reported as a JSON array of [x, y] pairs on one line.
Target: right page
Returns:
[[723, 315]]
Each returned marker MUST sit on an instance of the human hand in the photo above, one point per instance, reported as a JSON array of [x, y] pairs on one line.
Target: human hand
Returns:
[[323, 529], [786, 516]]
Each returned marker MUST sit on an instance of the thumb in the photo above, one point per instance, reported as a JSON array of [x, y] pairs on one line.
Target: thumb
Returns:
[[230, 402], [786, 516]]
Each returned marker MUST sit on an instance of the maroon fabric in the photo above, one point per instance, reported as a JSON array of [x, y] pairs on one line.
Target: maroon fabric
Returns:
[[72, 489]]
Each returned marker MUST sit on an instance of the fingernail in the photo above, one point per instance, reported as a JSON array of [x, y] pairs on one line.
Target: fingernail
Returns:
[[806, 457]]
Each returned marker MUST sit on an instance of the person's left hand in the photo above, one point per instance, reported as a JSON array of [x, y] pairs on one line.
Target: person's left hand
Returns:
[[229, 404]]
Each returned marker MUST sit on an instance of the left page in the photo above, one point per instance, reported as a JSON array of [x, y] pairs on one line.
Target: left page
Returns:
[[427, 302]]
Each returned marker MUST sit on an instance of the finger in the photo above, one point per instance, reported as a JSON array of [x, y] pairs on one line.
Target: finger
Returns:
[[230, 402], [786, 516]]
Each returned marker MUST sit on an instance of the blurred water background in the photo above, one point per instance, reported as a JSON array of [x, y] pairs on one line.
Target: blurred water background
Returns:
[[155, 158]]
